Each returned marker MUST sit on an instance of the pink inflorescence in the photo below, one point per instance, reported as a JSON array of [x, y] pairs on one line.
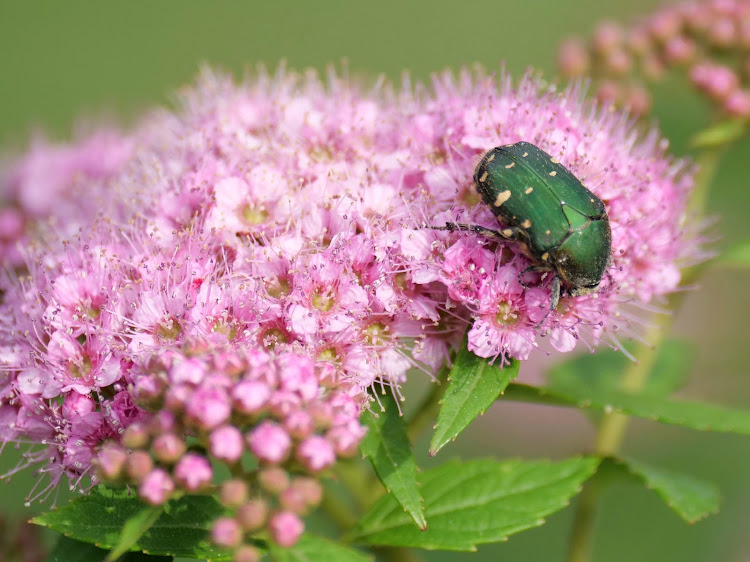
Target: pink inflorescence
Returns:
[[263, 257], [234, 406], [707, 39]]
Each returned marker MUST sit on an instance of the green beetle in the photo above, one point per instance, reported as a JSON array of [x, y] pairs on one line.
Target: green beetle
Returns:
[[560, 225]]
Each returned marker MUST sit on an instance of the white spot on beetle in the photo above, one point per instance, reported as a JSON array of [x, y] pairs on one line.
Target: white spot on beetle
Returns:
[[553, 174], [524, 155], [491, 157], [545, 256], [547, 232], [555, 161], [529, 190], [526, 223], [502, 197], [509, 166], [507, 232], [483, 176]]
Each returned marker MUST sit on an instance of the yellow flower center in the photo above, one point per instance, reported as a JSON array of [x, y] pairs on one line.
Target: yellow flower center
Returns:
[[254, 215], [505, 315]]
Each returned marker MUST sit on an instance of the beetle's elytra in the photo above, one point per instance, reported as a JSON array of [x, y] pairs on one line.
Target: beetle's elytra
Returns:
[[562, 226]]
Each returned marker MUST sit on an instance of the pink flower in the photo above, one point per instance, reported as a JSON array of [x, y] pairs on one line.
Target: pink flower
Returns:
[[267, 248]]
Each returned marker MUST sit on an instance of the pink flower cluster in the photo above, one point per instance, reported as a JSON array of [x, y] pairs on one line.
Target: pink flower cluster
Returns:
[[232, 405], [285, 215], [710, 39], [57, 185]]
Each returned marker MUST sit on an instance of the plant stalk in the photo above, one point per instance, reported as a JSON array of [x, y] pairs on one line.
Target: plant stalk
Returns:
[[613, 426]]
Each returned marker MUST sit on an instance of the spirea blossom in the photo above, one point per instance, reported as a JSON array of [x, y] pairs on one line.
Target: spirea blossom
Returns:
[[262, 256]]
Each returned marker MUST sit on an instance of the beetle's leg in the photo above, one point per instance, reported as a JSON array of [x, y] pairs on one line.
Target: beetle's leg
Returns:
[[510, 233], [554, 299]]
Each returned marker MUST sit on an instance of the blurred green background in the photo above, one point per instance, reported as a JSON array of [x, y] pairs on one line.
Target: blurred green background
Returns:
[[63, 65]]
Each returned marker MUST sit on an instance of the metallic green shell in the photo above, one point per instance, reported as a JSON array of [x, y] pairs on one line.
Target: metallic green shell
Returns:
[[563, 224]]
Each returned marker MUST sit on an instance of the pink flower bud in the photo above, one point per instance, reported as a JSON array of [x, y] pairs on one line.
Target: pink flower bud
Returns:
[[177, 396], [310, 489], [722, 32], [292, 500], [246, 553], [638, 101], [738, 103], [618, 62], [226, 443], [226, 532], [149, 391], [193, 472], [286, 528], [110, 462], [136, 436], [269, 442], [169, 448], [346, 438], [234, 493], [208, 408], [316, 453], [665, 24], [638, 41], [249, 397], [573, 58], [607, 37], [299, 424], [679, 50], [156, 487], [608, 92], [723, 81], [189, 371], [273, 479], [297, 374], [138, 465], [252, 515]]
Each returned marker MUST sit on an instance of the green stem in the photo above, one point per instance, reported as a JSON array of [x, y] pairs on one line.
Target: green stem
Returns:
[[613, 426], [583, 530], [708, 163]]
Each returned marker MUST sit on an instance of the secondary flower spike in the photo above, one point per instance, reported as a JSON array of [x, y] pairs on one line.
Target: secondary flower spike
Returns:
[[705, 40], [263, 256]]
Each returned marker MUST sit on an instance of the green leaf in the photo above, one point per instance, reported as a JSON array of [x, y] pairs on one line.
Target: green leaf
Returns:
[[98, 518], [719, 134], [311, 548], [691, 498], [133, 530], [69, 550], [602, 370], [389, 451], [473, 386], [477, 502], [695, 415], [736, 257]]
